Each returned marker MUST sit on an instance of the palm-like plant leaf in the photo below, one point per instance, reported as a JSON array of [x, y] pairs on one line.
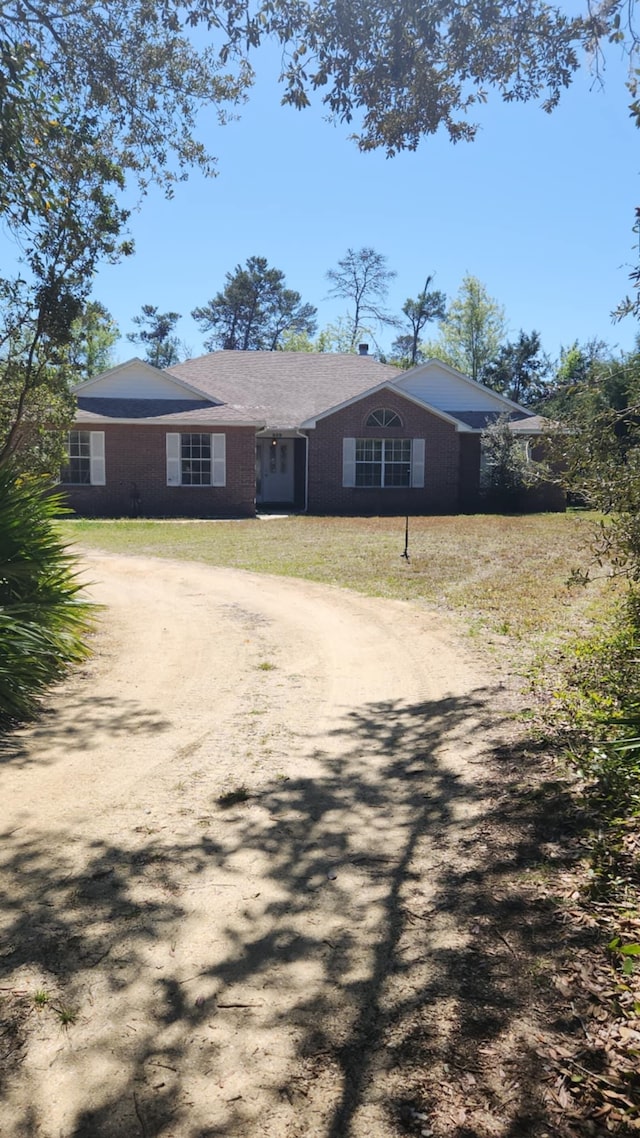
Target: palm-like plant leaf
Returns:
[[43, 617]]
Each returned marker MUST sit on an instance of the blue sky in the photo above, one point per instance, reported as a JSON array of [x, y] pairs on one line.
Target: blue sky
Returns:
[[540, 208]]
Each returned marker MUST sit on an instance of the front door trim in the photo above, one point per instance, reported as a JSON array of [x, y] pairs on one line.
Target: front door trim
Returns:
[[275, 468]]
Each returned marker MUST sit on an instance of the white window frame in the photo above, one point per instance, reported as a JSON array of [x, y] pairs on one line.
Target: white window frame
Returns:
[[416, 479], [383, 417], [218, 460], [95, 458]]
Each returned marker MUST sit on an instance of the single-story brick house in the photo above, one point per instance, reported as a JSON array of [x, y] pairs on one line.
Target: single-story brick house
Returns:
[[328, 433]]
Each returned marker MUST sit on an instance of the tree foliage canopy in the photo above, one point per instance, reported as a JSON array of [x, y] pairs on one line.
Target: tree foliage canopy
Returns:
[[599, 451], [418, 312], [254, 310], [574, 373], [93, 335], [127, 70], [89, 93], [473, 328], [409, 68], [406, 67], [155, 331], [362, 277], [520, 369], [62, 239]]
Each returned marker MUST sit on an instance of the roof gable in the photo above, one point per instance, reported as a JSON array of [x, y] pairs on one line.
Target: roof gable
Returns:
[[440, 385], [137, 379], [386, 385]]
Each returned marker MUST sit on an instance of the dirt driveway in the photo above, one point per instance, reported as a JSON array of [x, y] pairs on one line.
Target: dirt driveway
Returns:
[[242, 854]]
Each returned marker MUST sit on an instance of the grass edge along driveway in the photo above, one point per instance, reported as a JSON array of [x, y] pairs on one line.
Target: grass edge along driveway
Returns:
[[506, 576]]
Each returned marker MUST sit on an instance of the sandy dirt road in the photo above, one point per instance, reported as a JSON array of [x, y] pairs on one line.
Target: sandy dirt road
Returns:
[[229, 856]]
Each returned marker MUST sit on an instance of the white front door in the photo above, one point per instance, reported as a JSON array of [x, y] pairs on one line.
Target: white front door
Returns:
[[274, 470]]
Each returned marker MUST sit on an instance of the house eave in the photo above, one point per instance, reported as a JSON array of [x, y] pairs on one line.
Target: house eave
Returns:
[[269, 432], [102, 420]]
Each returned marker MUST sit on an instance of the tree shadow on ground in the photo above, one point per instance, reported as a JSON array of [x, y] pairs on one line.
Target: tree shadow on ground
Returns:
[[72, 726], [396, 940]]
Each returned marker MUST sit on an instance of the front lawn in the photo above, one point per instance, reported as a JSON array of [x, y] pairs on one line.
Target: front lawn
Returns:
[[506, 575]]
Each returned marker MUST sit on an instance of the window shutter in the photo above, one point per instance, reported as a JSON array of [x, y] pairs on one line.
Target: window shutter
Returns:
[[174, 466], [218, 460], [348, 462], [417, 463], [96, 458]]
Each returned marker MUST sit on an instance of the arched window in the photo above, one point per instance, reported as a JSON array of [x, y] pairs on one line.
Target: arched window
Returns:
[[383, 417]]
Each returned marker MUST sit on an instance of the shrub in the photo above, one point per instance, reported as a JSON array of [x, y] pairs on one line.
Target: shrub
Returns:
[[42, 616], [507, 472], [598, 707]]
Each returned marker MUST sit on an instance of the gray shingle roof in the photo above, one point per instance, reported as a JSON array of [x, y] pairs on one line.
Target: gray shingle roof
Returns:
[[92, 410], [478, 420], [283, 389], [533, 424], [277, 390]]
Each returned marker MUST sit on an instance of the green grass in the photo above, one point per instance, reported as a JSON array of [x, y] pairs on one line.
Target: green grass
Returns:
[[67, 1015], [506, 575]]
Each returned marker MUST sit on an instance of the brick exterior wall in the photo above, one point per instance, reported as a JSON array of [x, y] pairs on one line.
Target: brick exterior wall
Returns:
[[470, 446], [440, 495], [135, 463], [299, 473]]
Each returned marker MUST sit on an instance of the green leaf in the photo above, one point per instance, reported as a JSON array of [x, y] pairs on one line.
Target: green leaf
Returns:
[[42, 617]]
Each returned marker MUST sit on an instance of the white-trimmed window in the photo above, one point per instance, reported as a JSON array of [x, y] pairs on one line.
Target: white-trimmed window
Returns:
[[85, 465], [383, 463], [383, 417], [196, 459]]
